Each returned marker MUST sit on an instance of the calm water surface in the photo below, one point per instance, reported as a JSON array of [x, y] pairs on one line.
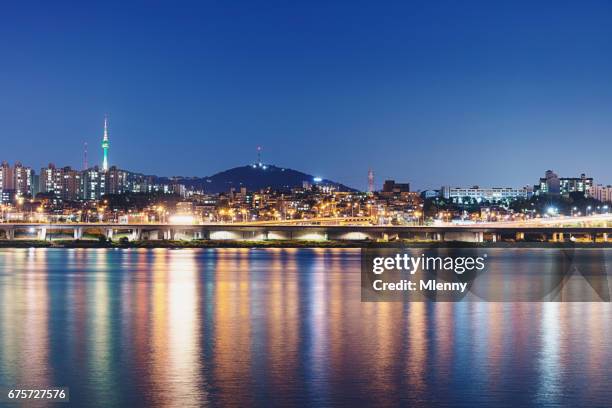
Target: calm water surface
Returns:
[[280, 327]]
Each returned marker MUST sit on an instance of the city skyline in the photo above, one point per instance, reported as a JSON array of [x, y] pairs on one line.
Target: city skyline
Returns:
[[328, 88], [306, 203], [372, 183]]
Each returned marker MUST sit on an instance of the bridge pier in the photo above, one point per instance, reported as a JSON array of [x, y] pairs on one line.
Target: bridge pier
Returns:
[[42, 233], [169, 234], [605, 237], [10, 234], [136, 234], [520, 236], [557, 237], [108, 233], [157, 234], [78, 232], [386, 237], [479, 236]]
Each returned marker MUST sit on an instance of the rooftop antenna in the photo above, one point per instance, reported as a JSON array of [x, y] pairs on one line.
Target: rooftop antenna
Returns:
[[85, 164], [259, 155]]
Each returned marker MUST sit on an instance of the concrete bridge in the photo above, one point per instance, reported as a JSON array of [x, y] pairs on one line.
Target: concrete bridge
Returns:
[[256, 232]]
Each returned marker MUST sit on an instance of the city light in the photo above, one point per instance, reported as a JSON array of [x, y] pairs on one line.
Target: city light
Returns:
[[64, 194], [181, 219]]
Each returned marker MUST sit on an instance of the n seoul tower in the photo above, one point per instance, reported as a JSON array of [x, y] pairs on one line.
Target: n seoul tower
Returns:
[[105, 144]]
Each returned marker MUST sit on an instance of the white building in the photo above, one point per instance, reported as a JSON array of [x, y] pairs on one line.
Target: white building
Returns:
[[478, 194]]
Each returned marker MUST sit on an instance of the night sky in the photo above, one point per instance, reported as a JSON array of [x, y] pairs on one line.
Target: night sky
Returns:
[[432, 92]]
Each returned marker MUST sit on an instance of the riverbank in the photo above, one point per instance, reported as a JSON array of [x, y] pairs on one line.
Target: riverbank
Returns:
[[289, 244]]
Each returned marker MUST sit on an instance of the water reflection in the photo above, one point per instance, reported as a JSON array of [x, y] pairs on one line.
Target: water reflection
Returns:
[[280, 327], [33, 351]]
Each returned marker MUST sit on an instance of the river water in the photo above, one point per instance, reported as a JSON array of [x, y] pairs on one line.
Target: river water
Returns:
[[280, 327]]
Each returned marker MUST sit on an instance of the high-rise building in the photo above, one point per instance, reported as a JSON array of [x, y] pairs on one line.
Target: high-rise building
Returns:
[[35, 184], [71, 184], [22, 180], [117, 181], [50, 181], [550, 183], [94, 183], [580, 184], [105, 145], [62, 183], [7, 176], [553, 184], [370, 181]]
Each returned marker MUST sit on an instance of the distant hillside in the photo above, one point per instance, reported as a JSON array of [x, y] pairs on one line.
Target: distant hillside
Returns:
[[255, 178]]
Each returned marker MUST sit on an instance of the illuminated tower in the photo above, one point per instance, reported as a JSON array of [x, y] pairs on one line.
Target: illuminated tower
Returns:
[[105, 145], [370, 181]]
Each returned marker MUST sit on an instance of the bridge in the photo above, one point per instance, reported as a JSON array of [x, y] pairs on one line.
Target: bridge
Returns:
[[560, 221], [315, 221], [492, 232]]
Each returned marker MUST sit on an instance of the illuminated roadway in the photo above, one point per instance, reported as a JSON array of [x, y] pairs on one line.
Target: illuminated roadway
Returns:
[[593, 228]]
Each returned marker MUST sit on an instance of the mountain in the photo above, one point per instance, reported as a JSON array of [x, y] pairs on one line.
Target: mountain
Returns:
[[254, 178]]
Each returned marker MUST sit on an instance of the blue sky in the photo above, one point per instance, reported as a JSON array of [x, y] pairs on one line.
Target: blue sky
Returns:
[[432, 92]]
